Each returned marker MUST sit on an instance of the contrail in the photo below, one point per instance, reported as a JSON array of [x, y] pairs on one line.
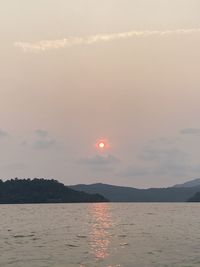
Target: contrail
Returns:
[[46, 45]]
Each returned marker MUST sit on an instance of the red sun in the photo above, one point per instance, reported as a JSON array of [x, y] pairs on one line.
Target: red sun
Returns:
[[102, 144]]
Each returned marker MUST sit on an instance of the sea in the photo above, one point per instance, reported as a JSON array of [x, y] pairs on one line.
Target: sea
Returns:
[[100, 235]]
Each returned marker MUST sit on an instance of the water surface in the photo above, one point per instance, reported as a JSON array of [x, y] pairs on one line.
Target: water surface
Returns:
[[100, 235]]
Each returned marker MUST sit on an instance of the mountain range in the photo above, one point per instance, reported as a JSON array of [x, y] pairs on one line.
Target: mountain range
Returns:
[[20, 191], [177, 193]]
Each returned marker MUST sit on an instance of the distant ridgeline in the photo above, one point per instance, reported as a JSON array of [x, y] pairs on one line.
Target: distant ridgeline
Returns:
[[181, 193], [16, 191]]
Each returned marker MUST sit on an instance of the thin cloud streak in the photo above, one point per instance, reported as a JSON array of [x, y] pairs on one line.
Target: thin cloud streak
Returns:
[[46, 45]]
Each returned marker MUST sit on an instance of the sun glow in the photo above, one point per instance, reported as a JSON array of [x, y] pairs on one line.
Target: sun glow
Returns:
[[102, 144]]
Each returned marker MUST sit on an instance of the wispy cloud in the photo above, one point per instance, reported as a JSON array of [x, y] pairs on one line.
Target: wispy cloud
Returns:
[[41, 133], [44, 141], [46, 45], [191, 131], [3, 133], [99, 160], [100, 163], [44, 144]]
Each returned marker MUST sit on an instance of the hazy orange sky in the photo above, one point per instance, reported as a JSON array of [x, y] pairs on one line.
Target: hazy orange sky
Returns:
[[72, 72]]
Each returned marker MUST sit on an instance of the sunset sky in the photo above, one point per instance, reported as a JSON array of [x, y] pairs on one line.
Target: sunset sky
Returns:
[[75, 72]]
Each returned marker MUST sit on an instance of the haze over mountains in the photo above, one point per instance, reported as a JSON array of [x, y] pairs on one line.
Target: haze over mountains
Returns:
[[177, 193], [195, 182]]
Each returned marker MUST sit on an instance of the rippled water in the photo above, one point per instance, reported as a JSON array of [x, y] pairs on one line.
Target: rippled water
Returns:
[[103, 235]]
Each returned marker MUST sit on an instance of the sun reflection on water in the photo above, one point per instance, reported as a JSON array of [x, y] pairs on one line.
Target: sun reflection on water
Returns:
[[99, 235]]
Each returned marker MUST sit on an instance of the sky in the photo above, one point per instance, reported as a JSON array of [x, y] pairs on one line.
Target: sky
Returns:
[[73, 72]]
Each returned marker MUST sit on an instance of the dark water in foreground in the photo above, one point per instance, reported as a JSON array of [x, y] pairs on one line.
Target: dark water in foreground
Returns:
[[103, 235]]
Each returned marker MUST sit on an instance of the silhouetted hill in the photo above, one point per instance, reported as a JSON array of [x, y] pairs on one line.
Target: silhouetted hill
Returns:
[[129, 194], [192, 183], [195, 198], [42, 191]]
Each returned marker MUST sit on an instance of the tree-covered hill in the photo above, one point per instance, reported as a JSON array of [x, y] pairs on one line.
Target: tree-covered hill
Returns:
[[17, 191]]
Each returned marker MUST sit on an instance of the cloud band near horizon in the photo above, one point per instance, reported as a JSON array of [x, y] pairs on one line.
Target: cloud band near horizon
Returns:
[[46, 45]]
